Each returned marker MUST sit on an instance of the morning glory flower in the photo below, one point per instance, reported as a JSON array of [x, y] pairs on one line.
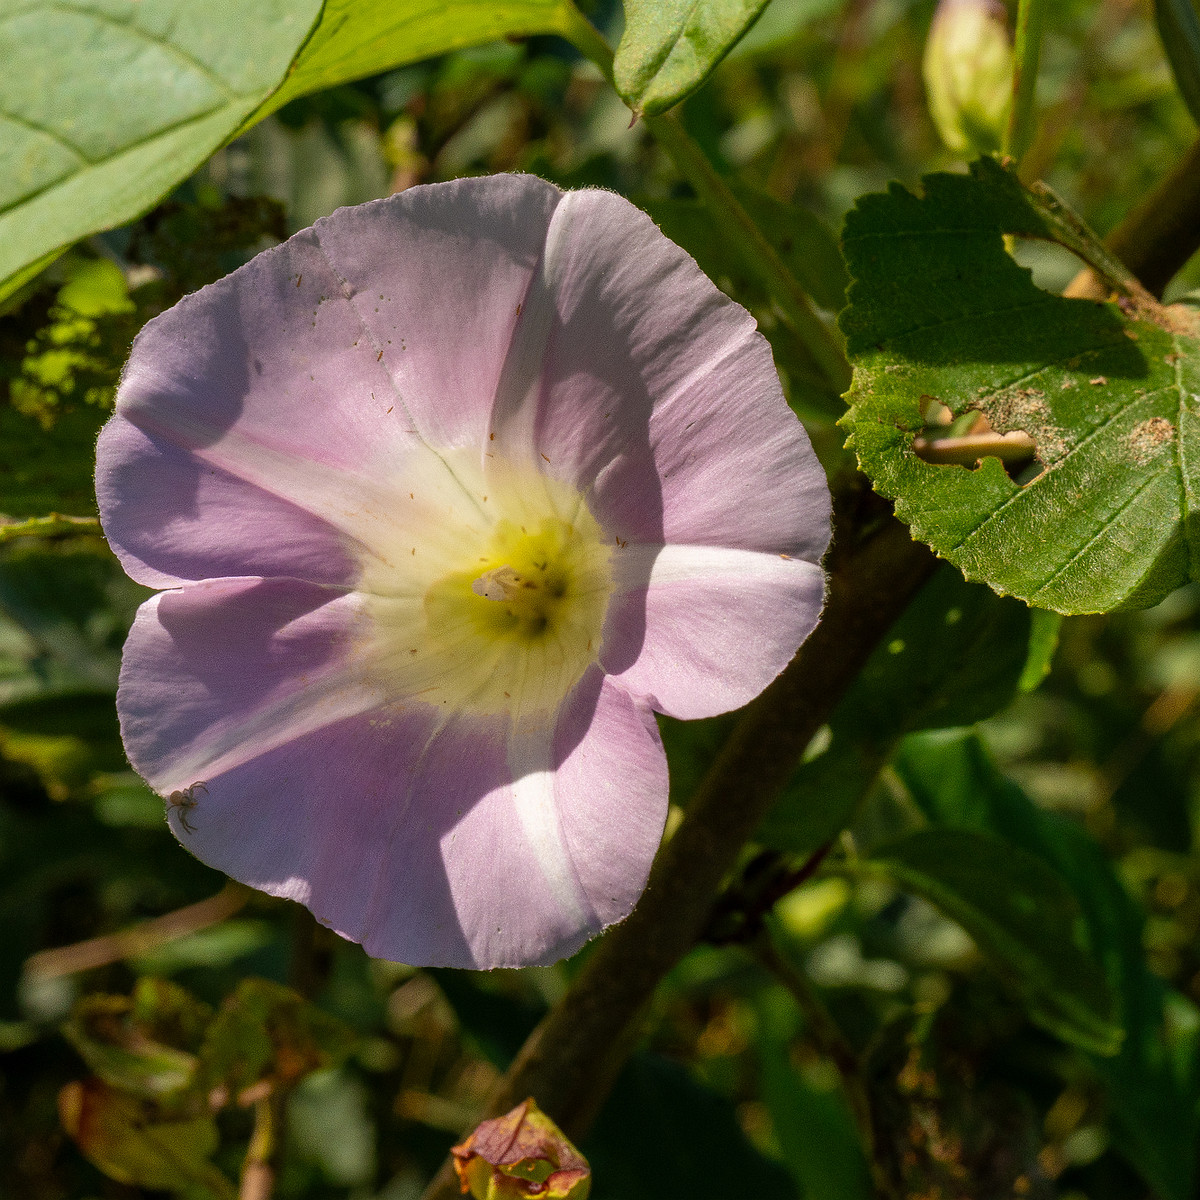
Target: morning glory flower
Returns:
[[446, 495]]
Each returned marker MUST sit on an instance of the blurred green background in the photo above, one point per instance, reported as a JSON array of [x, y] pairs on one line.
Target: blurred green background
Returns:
[[733, 1093]]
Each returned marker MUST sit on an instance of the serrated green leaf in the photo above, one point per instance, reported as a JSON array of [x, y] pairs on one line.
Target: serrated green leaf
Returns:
[[356, 38], [1023, 918], [670, 47], [939, 311], [153, 88]]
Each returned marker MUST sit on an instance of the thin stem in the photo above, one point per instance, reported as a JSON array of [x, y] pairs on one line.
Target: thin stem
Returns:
[[258, 1169], [1027, 51], [573, 1058], [825, 1035], [137, 939], [795, 307], [739, 228], [54, 525]]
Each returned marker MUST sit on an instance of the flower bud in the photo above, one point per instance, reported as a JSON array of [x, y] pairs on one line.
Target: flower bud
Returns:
[[523, 1154], [968, 73]]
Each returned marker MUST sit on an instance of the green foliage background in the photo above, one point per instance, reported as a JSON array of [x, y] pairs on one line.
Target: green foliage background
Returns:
[[1002, 931]]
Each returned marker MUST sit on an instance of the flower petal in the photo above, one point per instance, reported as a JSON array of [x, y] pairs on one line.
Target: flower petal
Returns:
[[438, 276], [638, 381], [711, 628], [172, 518], [444, 843], [542, 838], [224, 670]]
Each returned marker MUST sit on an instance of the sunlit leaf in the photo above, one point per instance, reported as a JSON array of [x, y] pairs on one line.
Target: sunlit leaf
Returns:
[[670, 47], [155, 86], [1023, 918], [106, 104], [356, 38], [940, 315]]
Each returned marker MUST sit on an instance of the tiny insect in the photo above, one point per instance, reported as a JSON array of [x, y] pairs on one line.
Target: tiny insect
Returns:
[[185, 800]]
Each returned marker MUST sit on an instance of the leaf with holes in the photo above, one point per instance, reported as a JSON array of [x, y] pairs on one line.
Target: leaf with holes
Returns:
[[670, 47], [942, 320]]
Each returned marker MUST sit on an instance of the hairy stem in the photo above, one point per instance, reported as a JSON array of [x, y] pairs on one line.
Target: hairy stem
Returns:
[[1022, 116], [573, 1057]]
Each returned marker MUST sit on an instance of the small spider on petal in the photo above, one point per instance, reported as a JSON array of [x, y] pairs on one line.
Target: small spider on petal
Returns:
[[183, 801], [448, 495]]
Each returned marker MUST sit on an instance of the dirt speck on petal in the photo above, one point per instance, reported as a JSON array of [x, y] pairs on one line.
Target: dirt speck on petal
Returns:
[[1148, 438]]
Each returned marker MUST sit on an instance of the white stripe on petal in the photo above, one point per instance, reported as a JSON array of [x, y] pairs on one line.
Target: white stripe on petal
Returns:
[[647, 565], [530, 758], [518, 394]]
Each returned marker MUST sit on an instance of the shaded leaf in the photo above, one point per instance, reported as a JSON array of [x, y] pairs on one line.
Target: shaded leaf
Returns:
[[670, 47], [810, 1115], [123, 1137], [939, 312], [953, 658], [661, 1134], [1179, 29], [1153, 1096], [807, 248], [267, 1032], [1023, 918], [140, 1043]]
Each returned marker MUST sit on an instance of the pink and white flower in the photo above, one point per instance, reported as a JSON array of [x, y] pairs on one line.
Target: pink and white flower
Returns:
[[448, 493]]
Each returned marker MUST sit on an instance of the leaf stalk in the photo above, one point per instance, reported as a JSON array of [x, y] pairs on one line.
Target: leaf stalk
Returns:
[[1027, 52]]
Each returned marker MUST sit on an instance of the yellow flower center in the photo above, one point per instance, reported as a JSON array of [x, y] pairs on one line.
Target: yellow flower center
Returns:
[[499, 603]]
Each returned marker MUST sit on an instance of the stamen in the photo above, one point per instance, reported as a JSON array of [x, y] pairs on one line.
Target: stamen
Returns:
[[500, 583]]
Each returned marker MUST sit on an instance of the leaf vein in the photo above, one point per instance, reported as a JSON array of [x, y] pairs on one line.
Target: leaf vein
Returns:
[[45, 131], [182, 55]]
